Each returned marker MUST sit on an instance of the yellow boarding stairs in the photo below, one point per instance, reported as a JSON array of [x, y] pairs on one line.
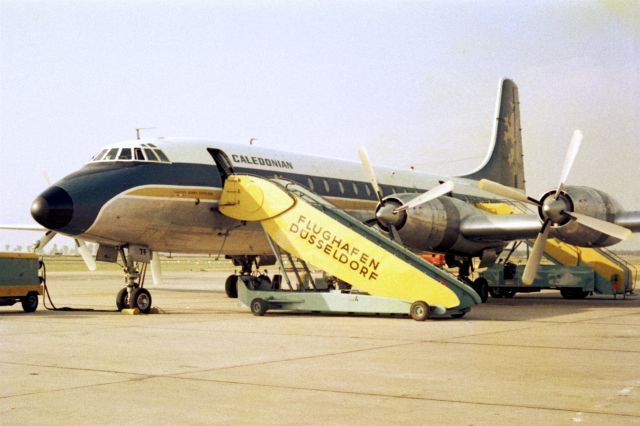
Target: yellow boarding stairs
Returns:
[[614, 275], [309, 228]]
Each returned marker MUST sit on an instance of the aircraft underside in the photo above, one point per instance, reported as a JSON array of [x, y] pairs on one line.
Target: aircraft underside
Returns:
[[176, 225]]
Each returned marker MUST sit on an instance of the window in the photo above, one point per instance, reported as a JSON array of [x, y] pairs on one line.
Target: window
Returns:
[[366, 187], [125, 154], [310, 182], [150, 155], [327, 188], [341, 187], [142, 153], [355, 188], [162, 156], [111, 155], [99, 155]]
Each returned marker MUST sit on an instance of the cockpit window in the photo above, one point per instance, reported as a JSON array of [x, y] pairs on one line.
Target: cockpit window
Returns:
[[162, 156], [99, 155], [143, 153], [139, 154], [111, 155], [150, 155], [125, 154]]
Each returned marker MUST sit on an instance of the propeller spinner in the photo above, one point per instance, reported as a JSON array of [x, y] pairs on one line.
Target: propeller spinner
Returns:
[[390, 214]]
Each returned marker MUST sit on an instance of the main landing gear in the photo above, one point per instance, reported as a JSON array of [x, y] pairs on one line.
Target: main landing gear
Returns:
[[465, 267], [133, 295], [247, 264]]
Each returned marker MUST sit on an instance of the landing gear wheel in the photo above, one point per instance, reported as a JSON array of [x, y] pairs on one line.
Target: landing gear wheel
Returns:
[[498, 293], [231, 286], [509, 293], [573, 293], [30, 302], [481, 286], [259, 307], [141, 299], [264, 281], [419, 311], [122, 301]]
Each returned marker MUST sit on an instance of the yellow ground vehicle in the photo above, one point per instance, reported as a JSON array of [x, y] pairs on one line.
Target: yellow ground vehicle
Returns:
[[20, 280]]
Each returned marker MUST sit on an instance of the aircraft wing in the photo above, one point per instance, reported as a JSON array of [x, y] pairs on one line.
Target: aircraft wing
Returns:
[[630, 220], [36, 228]]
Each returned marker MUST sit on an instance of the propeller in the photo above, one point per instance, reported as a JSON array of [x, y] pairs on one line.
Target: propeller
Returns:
[[555, 208], [381, 213], [432, 194], [48, 236], [86, 254], [531, 268], [364, 159], [388, 213]]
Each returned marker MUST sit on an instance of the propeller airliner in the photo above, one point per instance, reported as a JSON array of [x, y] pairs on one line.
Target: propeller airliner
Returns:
[[145, 196]]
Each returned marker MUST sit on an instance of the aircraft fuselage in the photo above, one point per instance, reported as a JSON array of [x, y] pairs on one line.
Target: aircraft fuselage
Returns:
[[163, 194]]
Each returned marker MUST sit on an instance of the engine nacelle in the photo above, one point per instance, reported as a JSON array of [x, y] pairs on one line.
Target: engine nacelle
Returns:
[[432, 226], [591, 202]]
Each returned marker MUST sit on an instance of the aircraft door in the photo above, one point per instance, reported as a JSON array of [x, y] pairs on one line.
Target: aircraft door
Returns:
[[222, 163]]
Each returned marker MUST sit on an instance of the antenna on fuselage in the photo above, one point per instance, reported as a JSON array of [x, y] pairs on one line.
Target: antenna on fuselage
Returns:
[[141, 128], [252, 140]]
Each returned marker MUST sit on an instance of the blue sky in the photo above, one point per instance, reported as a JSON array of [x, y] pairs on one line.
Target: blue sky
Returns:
[[413, 81]]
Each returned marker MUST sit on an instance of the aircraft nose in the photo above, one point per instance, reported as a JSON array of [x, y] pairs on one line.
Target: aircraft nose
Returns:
[[53, 209]]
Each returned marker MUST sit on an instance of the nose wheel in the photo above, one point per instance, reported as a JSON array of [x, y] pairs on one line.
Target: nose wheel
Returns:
[[136, 298]]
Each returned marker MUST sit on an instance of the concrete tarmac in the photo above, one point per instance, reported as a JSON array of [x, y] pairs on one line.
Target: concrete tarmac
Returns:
[[534, 359]]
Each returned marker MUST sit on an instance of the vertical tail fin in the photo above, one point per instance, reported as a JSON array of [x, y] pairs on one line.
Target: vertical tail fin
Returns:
[[504, 161]]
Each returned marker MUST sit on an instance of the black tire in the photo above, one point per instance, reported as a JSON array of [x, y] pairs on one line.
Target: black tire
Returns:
[[495, 292], [263, 282], [122, 301], [499, 293], [30, 302], [419, 311], [573, 293], [231, 286], [141, 299], [277, 282], [509, 293], [458, 315], [259, 307], [481, 286]]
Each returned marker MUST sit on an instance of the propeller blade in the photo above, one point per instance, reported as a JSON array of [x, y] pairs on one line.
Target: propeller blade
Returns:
[[156, 269], [505, 191], [535, 256], [42, 242], [47, 179], [431, 194], [395, 234], [364, 159], [603, 226], [86, 255], [572, 153]]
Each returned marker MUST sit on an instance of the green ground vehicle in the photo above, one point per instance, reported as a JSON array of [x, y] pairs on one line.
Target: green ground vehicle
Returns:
[[574, 282]]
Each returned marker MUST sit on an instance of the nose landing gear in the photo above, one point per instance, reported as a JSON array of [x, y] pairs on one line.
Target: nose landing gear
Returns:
[[134, 295]]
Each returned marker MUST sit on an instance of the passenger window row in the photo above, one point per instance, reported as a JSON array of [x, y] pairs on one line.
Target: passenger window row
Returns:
[[364, 190]]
